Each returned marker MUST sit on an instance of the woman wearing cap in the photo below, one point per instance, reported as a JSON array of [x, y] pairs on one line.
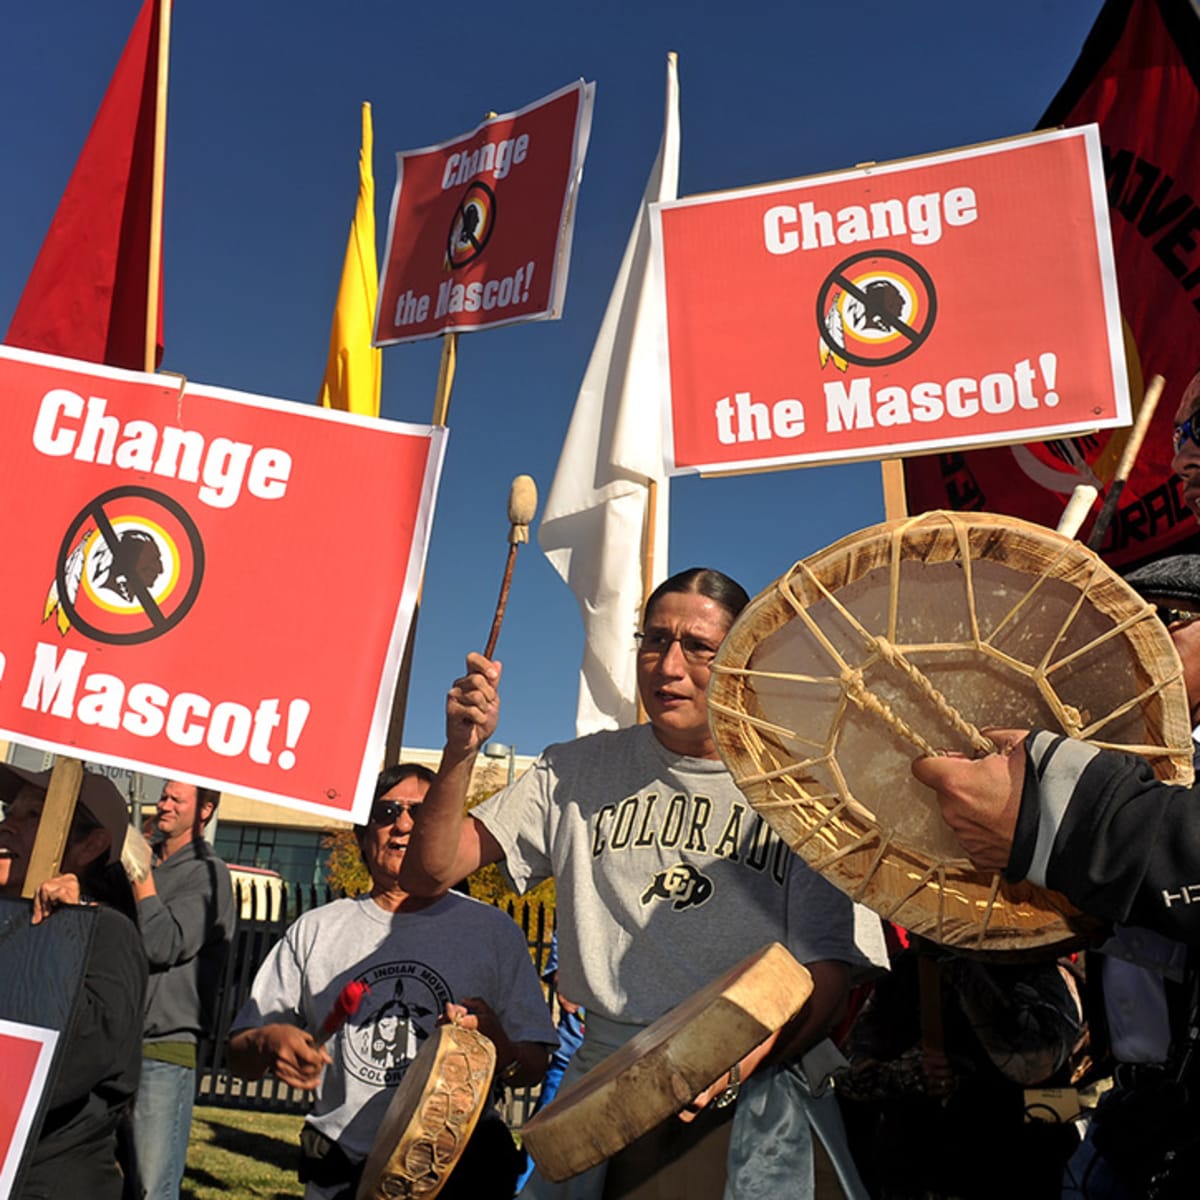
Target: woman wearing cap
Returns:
[[99, 1057]]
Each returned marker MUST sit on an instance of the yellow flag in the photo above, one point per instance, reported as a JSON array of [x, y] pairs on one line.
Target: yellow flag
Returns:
[[354, 371]]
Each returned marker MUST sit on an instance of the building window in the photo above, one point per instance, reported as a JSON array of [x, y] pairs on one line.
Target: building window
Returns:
[[296, 854]]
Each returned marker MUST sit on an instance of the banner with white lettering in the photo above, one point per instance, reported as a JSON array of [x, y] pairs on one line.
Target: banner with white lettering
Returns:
[[961, 299], [480, 228], [1138, 78], [206, 584]]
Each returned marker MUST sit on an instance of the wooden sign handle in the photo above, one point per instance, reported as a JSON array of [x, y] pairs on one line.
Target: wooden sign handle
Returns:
[[59, 810]]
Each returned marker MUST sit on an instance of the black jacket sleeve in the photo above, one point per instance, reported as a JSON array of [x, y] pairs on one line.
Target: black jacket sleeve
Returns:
[[1098, 826]]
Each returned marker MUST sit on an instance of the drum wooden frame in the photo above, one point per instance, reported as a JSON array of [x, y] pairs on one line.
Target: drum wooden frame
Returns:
[[901, 640], [666, 1065], [431, 1116]]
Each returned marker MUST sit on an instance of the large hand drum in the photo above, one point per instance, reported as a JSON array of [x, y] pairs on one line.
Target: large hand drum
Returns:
[[431, 1116], [904, 639], [666, 1065]]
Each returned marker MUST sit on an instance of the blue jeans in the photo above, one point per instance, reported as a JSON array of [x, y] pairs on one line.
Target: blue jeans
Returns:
[[162, 1122], [570, 1038]]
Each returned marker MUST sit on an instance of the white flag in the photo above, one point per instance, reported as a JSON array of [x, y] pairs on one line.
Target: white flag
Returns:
[[594, 523]]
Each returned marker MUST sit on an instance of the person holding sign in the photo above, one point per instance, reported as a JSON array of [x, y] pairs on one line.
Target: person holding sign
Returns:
[[413, 959], [665, 880], [99, 1060]]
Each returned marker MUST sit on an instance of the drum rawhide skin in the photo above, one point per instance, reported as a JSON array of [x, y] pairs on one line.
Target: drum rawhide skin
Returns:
[[431, 1116], [667, 1064], [902, 640]]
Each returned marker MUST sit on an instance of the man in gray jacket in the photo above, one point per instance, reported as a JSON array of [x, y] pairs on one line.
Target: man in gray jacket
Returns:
[[185, 909]]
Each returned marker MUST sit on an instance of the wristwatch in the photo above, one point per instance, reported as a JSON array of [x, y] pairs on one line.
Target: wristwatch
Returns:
[[730, 1094]]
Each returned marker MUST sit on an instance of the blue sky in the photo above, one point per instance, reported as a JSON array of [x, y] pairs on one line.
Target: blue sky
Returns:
[[263, 132]]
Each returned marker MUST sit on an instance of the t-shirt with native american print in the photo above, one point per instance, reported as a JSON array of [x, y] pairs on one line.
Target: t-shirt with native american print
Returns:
[[414, 963]]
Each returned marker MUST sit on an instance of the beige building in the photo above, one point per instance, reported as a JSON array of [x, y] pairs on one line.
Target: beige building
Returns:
[[273, 838]]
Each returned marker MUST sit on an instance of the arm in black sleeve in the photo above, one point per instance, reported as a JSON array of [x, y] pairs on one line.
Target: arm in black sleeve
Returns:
[[1100, 828], [105, 1034]]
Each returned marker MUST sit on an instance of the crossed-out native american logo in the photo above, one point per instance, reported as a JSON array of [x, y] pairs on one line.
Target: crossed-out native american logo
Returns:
[[873, 309], [682, 884], [471, 228], [129, 568]]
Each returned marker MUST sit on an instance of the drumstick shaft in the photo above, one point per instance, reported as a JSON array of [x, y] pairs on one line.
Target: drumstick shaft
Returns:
[[1136, 436], [502, 602]]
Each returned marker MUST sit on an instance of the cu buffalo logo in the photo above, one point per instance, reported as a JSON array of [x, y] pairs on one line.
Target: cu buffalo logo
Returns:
[[682, 884]]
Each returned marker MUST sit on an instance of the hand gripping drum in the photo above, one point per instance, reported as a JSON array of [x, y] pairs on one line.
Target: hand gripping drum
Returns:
[[904, 639]]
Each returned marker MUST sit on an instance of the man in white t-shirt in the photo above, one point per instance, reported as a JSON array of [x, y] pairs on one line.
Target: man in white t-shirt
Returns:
[[422, 958]]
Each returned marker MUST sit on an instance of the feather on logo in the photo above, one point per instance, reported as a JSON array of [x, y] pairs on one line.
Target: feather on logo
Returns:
[[74, 573]]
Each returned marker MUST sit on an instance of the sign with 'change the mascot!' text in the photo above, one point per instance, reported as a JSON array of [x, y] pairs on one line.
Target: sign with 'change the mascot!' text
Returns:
[[480, 228], [960, 299], [205, 584]]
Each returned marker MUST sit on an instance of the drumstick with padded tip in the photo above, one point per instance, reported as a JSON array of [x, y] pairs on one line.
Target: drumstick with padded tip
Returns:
[[522, 504], [1078, 507], [344, 1007]]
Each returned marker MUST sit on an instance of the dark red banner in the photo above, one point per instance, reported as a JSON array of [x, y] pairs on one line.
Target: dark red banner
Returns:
[[1137, 78]]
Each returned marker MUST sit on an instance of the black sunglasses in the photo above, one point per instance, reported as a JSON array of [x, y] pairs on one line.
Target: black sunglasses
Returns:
[[385, 812], [1186, 431]]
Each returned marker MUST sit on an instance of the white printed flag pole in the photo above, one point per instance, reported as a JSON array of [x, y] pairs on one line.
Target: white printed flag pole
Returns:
[[610, 492]]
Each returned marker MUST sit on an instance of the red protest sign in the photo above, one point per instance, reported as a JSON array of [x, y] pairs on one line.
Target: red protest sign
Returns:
[[480, 228], [1138, 77], [203, 583], [959, 299], [25, 1051]]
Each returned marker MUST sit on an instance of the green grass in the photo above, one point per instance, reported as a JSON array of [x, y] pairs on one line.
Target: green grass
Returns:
[[239, 1153]]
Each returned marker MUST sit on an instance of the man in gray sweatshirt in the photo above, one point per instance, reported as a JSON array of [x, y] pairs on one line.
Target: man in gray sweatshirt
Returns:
[[186, 913]]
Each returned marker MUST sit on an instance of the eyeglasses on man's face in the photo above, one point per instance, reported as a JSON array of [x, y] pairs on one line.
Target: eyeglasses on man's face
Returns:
[[654, 643], [386, 812], [1186, 432]]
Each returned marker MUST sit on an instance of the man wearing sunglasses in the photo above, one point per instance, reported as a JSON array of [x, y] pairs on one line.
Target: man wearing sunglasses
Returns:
[[423, 959], [1186, 463]]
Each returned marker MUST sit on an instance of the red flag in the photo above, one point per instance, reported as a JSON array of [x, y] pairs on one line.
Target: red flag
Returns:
[[87, 293], [1137, 78]]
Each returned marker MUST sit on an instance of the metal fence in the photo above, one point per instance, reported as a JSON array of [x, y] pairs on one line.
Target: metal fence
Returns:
[[265, 915]]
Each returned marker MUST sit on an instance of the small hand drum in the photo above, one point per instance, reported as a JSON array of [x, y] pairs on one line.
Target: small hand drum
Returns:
[[666, 1065], [431, 1116], [903, 639]]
